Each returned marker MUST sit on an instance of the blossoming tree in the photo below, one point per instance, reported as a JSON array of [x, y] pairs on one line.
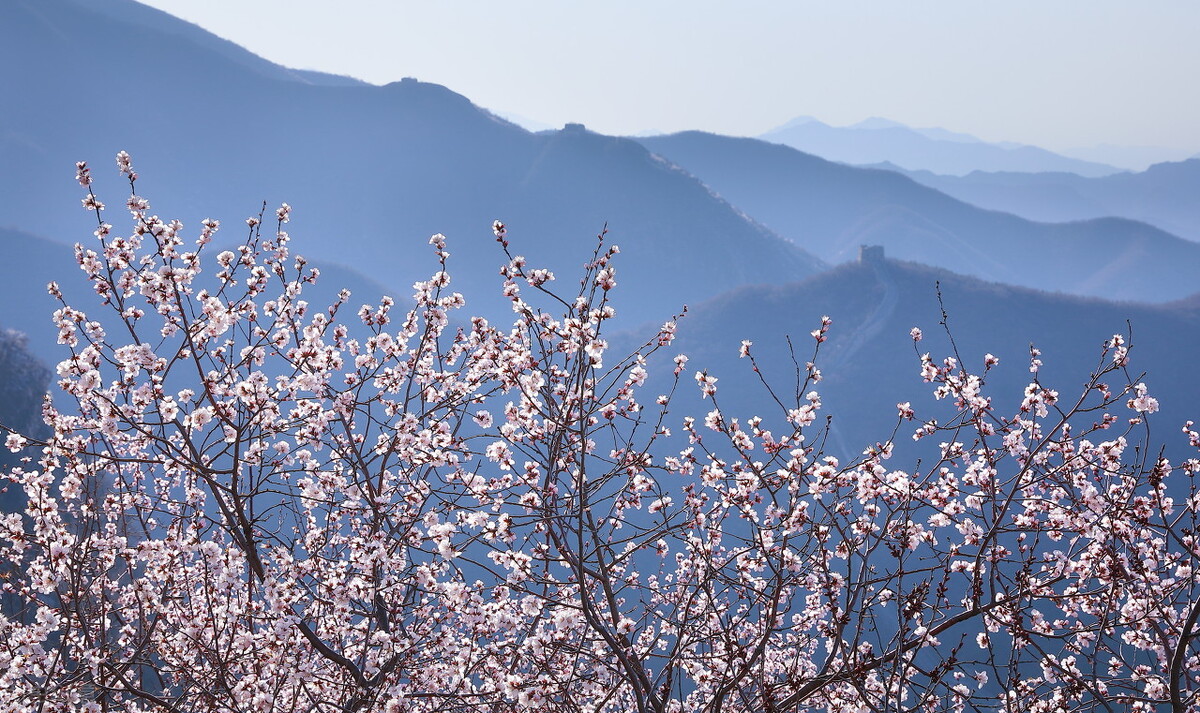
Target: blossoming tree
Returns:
[[253, 503]]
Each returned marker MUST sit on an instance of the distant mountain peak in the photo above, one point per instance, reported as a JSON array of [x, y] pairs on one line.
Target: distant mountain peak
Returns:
[[798, 121], [878, 122]]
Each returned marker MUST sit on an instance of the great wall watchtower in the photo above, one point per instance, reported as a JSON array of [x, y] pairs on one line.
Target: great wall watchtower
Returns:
[[868, 254]]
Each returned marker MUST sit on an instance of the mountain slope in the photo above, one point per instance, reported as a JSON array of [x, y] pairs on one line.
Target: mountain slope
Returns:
[[870, 363], [831, 209], [937, 150], [372, 171], [1163, 195]]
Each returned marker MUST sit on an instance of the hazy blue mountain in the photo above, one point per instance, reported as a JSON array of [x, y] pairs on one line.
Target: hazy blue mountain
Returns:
[[935, 132], [938, 150], [372, 171], [831, 209], [870, 363], [1163, 195]]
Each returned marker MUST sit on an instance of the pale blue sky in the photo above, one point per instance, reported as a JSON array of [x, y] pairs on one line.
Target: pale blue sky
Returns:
[[1053, 73]]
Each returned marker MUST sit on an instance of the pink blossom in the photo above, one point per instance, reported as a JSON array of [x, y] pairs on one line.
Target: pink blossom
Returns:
[[15, 442], [1141, 402]]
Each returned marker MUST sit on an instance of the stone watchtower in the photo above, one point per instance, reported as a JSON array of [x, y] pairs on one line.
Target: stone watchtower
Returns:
[[868, 254]]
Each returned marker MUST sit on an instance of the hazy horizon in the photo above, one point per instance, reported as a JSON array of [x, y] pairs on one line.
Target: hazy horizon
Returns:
[[1051, 75]]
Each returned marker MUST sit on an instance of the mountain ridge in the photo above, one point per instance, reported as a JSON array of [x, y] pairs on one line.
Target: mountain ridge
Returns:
[[373, 171], [876, 140], [830, 209], [864, 379], [1162, 195]]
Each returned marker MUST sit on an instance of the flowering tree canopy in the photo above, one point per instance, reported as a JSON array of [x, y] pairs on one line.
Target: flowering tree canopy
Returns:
[[253, 503]]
